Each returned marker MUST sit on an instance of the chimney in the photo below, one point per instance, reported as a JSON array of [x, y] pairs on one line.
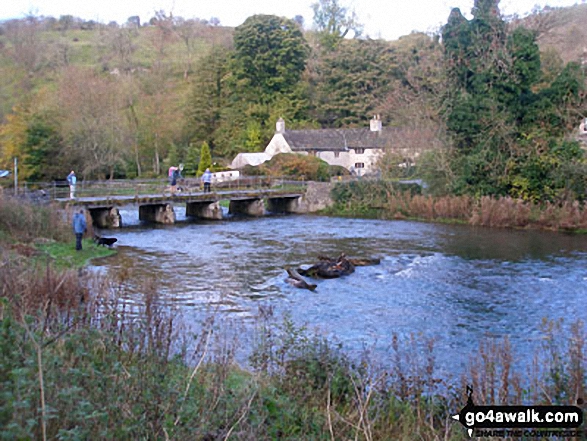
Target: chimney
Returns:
[[280, 126], [375, 124]]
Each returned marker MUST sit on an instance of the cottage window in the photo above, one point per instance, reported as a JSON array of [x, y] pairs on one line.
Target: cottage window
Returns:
[[359, 151], [359, 165]]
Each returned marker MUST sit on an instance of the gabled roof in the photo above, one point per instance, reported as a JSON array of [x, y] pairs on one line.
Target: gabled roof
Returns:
[[339, 139]]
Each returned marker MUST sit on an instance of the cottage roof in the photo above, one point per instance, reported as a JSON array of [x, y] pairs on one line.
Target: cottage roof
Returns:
[[339, 139]]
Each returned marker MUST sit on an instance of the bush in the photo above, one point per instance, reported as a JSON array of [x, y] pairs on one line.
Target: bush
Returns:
[[293, 165], [25, 222]]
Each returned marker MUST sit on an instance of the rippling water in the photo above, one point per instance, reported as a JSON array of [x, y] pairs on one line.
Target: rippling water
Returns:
[[456, 284]]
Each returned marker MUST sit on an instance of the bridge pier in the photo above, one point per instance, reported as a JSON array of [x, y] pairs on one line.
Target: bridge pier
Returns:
[[204, 210], [250, 207], [106, 217], [283, 205], [158, 213]]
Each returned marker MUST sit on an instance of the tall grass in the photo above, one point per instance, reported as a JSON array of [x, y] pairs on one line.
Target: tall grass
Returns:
[[25, 222], [393, 203]]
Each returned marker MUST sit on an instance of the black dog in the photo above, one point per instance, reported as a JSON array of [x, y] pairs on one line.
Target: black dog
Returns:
[[105, 241]]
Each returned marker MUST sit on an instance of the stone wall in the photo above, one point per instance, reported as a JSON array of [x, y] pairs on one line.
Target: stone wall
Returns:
[[316, 198]]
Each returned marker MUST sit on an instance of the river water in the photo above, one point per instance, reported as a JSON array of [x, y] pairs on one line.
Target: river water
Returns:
[[456, 284]]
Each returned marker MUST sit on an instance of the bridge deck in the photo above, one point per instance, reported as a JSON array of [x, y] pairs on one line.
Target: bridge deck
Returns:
[[111, 201]]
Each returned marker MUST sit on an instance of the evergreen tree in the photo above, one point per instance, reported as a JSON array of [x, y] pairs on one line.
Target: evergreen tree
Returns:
[[508, 132], [205, 158], [206, 101], [270, 55], [191, 160]]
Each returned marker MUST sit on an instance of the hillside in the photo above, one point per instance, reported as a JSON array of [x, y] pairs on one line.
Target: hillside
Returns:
[[563, 30], [126, 101]]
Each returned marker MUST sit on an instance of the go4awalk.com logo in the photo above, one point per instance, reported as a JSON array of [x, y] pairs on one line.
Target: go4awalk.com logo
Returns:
[[519, 421]]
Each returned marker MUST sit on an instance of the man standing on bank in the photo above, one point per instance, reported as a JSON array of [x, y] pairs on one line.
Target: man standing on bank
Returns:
[[79, 228]]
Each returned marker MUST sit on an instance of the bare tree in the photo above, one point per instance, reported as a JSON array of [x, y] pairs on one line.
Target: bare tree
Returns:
[[93, 124], [26, 47]]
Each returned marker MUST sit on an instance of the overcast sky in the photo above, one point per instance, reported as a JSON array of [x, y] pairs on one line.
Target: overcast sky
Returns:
[[387, 19]]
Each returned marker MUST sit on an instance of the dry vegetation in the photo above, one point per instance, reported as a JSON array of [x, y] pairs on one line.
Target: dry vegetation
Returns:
[[390, 201]]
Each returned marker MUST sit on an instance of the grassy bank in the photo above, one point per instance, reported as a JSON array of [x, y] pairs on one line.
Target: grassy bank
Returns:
[[385, 200], [41, 233]]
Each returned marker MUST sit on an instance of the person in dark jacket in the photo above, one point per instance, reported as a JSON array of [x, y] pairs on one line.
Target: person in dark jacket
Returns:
[[79, 228]]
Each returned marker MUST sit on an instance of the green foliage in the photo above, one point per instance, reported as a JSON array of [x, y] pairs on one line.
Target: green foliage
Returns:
[[333, 22], [43, 150], [349, 81], [172, 158], [507, 124], [369, 194], [297, 166], [192, 160], [270, 54], [207, 99], [253, 142], [205, 158]]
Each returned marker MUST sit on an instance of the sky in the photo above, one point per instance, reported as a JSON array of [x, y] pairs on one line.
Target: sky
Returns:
[[387, 19]]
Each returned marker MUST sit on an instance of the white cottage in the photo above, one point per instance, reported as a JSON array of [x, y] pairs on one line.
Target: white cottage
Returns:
[[356, 149]]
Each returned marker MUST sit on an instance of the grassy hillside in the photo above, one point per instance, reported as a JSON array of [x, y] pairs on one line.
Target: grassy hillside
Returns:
[[565, 31]]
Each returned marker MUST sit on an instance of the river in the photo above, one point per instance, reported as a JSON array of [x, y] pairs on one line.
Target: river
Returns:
[[453, 283]]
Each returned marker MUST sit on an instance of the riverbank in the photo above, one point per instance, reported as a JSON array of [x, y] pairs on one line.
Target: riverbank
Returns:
[[77, 364], [40, 233], [385, 200], [82, 362]]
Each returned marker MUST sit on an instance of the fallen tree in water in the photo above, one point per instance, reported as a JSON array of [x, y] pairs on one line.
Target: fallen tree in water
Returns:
[[328, 268], [298, 281]]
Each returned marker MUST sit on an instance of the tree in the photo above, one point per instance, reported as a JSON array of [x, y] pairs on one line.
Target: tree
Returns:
[[334, 21], [205, 158], [270, 55], [189, 32], [93, 126], [12, 140], [191, 160], [202, 113], [44, 149], [507, 123], [348, 82]]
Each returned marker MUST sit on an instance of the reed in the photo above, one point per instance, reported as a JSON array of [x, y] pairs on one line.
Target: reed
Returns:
[[388, 201]]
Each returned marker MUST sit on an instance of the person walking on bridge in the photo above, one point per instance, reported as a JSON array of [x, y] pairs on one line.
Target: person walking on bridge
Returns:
[[207, 179], [79, 228], [71, 180], [172, 175]]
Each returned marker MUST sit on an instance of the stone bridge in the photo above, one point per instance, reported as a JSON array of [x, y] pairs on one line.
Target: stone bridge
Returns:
[[159, 208]]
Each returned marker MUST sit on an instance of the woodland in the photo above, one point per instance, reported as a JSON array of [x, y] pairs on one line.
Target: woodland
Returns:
[[495, 100]]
